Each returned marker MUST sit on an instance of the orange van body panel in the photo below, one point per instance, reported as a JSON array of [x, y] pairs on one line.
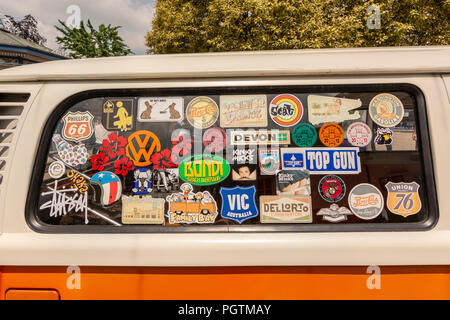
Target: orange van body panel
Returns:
[[236, 283]]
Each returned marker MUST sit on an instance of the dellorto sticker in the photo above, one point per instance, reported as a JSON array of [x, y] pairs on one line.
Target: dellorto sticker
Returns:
[[238, 203], [77, 126], [160, 109], [142, 210], [118, 114], [187, 207], [285, 209], [366, 201], [241, 111], [403, 198], [386, 110], [202, 112], [286, 110], [260, 137], [203, 170], [359, 134], [323, 109]]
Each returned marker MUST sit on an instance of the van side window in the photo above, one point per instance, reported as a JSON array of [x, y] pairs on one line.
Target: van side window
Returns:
[[261, 159]]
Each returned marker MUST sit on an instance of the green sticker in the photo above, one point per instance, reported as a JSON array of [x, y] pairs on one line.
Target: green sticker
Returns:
[[203, 170], [304, 135]]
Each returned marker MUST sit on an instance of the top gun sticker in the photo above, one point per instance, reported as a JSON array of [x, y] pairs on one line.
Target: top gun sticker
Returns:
[[202, 112], [166, 109], [77, 126], [286, 110], [331, 160], [323, 109], [403, 198], [386, 110], [243, 111], [118, 114]]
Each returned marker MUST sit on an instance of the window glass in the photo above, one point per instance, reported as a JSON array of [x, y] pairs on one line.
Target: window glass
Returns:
[[254, 159]]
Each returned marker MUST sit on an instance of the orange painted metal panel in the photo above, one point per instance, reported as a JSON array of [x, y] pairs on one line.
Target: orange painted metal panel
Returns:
[[31, 294], [411, 282]]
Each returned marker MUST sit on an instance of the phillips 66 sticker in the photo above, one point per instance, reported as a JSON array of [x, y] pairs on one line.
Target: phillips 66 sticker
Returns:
[[403, 198], [77, 126]]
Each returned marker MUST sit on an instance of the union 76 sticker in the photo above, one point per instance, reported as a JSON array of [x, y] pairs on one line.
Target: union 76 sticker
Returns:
[[403, 198]]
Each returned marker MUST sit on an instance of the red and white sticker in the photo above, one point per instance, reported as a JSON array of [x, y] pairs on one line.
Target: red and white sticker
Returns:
[[359, 134], [77, 126]]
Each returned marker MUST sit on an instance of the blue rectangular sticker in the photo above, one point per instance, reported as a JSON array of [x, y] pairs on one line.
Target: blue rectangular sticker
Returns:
[[332, 160], [292, 158]]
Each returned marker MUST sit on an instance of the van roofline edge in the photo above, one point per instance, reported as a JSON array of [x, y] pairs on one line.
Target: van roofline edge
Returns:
[[309, 62]]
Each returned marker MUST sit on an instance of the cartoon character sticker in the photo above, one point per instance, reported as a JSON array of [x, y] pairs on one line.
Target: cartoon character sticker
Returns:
[[118, 114], [160, 109], [77, 126], [238, 203], [384, 136], [142, 181], [286, 110], [403, 198], [187, 207]]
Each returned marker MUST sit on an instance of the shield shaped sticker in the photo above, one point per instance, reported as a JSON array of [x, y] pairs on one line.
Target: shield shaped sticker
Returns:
[[238, 203], [403, 198]]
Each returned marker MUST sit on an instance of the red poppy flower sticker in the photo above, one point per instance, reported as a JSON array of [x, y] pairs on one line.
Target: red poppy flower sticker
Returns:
[[123, 166], [99, 161], [163, 160]]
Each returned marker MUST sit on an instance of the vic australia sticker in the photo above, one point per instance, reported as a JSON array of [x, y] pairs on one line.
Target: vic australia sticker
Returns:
[[238, 203]]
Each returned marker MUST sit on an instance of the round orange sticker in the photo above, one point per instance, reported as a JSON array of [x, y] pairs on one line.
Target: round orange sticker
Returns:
[[331, 134]]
